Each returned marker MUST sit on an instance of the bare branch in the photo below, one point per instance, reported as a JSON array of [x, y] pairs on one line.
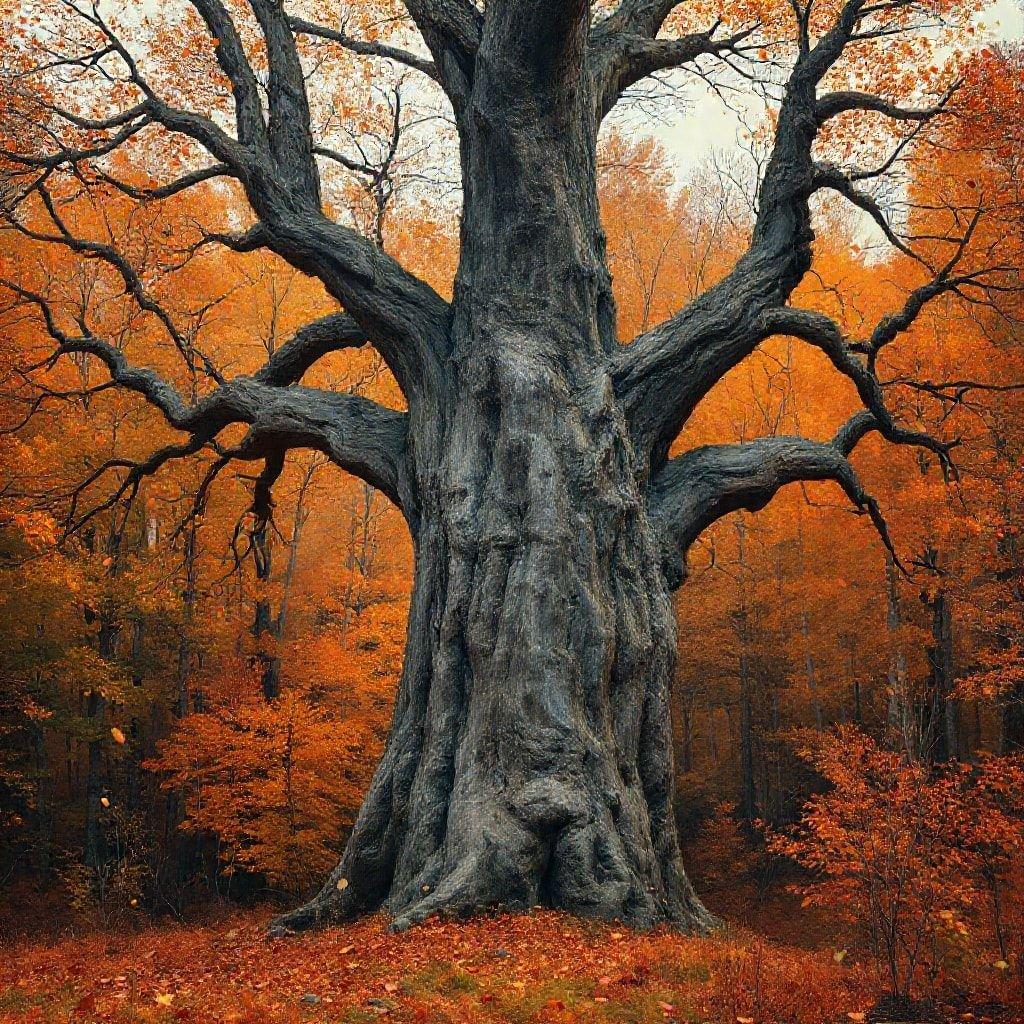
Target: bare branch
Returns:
[[835, 103], [171, 188], [331, 333], [274, 162], [359, 435], [363, 48], [665, 372], [620, 60], [700, 487], [824, 333]]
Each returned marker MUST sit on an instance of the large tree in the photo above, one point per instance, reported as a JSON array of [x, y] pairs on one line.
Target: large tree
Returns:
[[530, 756]]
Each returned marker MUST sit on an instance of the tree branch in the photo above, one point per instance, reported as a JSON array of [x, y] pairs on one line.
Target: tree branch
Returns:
[[358, 435], [700, 487], [620, 59], [364, 48], [664, 373], [835, 103], [824, 333], [291, 142], [407, 320], [451, 29], [230, 54], [171, 188], [331, 333], [637, 17]]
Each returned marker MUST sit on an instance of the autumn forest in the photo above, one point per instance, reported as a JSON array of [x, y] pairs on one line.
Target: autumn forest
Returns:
[[472, 547]]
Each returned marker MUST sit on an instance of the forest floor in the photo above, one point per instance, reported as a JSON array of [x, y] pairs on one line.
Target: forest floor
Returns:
[[542, 967]]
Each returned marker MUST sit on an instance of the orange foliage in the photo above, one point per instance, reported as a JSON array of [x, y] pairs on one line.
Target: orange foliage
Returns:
[[911, 856]]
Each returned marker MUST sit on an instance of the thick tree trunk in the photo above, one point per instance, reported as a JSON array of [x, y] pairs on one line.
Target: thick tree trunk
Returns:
[[530, 759]]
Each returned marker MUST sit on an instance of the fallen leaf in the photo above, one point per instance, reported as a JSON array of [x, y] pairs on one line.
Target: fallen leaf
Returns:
[[117, 734], [164, 998]]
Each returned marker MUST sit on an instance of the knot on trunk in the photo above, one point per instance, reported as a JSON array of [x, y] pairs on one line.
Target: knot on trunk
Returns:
[[547, 805]]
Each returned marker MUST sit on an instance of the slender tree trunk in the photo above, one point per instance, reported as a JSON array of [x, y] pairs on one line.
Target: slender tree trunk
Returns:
[[96, 711], [263, 618], [42, 812], [269, 627], [748, 784], [138, 653], [685, 751], [182, 852], [183, 668], [811, 669], [93, 852], [942, 732], [901, 723], [1011, 721], [530, 757]]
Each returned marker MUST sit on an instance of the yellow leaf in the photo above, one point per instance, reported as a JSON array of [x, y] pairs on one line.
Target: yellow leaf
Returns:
[[1001, 965], [839, 956], [164, 998], [117, 734], [342, 884], [104, 802]]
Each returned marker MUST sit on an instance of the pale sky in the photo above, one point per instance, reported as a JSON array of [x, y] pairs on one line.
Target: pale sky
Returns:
[[709, 125]]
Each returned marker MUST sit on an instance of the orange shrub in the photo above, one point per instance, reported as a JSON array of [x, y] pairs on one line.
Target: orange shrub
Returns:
[[912, 855]]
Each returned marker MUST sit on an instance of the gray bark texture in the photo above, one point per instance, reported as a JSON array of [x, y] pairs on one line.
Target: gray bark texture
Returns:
[[530, 756]]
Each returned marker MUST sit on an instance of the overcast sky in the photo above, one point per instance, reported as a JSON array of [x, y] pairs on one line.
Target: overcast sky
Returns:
[[709, 125]]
